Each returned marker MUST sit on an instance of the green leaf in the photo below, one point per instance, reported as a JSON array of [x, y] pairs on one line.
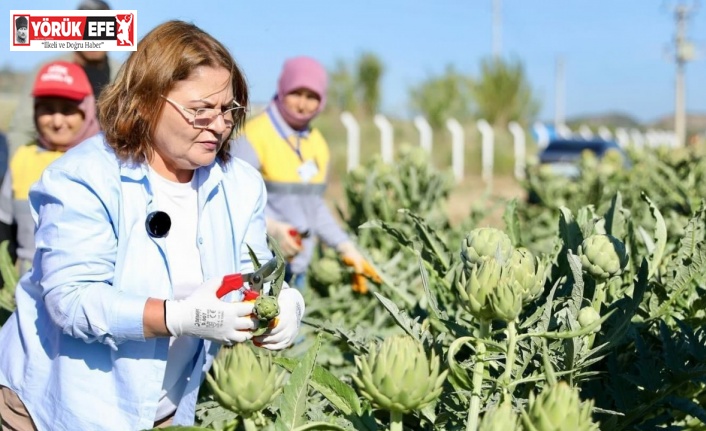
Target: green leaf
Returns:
[[253, 257], [410, 326], [319, 426], [512, 223], [660, 236], [569, 230], [427, 291], [340, 395], [10, 277], [295, 393], [277, 283]]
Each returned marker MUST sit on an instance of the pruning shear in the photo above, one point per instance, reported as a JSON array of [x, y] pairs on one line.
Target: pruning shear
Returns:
[[298, 236], [267, 272]]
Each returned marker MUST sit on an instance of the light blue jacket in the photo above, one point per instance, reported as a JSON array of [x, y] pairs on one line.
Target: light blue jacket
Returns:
[[74, 350]]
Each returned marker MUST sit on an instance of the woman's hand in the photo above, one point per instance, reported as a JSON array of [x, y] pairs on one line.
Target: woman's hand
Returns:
[[281, 232], [291, 310], [204, 315]]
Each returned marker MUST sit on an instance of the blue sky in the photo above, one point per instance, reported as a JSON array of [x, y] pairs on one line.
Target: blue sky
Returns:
[[614, 51]]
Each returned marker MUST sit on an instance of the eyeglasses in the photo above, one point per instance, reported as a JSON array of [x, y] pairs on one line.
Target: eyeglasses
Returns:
[[204, 117]]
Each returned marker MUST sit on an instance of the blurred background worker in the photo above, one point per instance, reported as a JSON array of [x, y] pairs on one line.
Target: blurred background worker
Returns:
[[97, 65], [64, 115], [293, 158]]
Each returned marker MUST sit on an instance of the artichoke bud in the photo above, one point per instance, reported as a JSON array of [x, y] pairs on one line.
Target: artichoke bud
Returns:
[[327, 271], [559, 408], [603, 256], [398, 376], [266, 307], [587, 316], [528, 272], [506, 301], [243, 382], [358, 174], [483, 280], [483, 243], [500, 418], [418, 157]]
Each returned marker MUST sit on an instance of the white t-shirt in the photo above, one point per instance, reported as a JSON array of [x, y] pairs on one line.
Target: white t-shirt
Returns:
[[179, 201]]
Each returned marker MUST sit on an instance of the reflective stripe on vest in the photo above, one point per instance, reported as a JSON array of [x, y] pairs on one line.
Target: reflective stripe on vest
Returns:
[[295, 188]]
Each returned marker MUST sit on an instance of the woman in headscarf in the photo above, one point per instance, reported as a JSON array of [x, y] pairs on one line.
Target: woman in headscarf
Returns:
[[293, 158], [64, 115]]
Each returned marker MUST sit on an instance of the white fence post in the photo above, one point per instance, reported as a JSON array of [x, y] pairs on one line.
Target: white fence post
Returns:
[[425, 133], [564, 131], [518, 136], [487, 149], [456, 148], [385, 137], [542, 135], [622, 136], [605, 133], [353, 137], [652, 137], [638, 140], [585, 132]]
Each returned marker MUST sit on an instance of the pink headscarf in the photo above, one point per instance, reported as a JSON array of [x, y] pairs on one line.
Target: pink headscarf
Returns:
[[301, 72]]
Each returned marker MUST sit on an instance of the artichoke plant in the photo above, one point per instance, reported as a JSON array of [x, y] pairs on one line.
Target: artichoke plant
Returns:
[[475, 289], [327, 270], [244, 382], [500, 418], [527, 272], [587, 316], [483, 243], [559, 408], [603, 256], [505, 301], [398, 376]]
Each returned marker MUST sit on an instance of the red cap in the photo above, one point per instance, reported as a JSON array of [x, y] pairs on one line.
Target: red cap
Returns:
[[62, 79]]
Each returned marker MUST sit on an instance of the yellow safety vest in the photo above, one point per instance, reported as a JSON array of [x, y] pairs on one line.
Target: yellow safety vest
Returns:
[[26, 168], [280, 162]]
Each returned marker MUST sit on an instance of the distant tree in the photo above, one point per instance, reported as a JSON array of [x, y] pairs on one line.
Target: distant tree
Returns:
[[342, 88], [442, 97], [503, 94], [370, 71]]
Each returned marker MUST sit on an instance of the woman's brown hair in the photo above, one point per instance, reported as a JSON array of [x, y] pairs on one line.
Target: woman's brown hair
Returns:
[[130, 107]]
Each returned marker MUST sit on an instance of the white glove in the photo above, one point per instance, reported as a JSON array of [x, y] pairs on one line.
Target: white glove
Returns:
[[280, 231], [291, 310], [203, 315]]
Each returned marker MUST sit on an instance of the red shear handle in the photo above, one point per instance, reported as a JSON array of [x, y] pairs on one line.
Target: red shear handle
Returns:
[[296, 235], [230, 283]]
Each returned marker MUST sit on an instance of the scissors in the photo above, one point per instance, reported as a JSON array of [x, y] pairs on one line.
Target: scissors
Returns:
[[267, 272]]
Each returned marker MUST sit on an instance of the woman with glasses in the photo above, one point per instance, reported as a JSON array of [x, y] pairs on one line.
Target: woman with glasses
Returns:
[[118, 321], [293, 158]]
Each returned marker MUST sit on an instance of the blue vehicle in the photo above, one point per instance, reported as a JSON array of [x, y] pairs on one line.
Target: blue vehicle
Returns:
[[561, 156]]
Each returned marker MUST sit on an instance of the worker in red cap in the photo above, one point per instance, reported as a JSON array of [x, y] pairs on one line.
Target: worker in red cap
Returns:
[[100, 67], [64, 115]]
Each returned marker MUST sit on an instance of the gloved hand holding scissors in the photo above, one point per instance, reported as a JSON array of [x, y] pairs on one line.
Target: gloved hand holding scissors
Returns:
[[279, 314], [204, 315]]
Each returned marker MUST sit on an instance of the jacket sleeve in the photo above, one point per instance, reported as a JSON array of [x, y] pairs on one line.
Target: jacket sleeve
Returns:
[[326, 226], [243, 149], [77, 244]]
